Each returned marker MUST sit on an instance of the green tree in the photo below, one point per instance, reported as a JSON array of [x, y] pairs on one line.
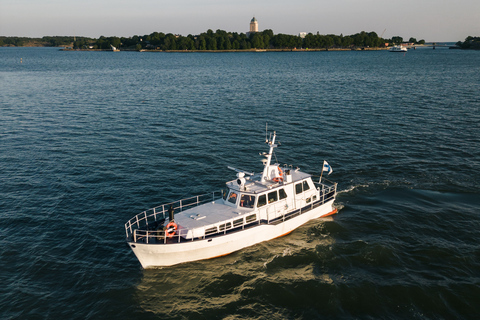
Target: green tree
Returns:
[[156, 38], [266, 41], [115, 41], [244, 44], [268, 32], [228, 44], [310, 41], [220, 43], [170, 42], [202, 43], [257, 41], [211, 43], [347, 41], [397, 40], [235, 45], [328, 41], [184, 43]]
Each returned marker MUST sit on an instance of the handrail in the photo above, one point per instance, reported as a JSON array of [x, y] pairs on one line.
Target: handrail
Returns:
[[160, 212], [323, 179]]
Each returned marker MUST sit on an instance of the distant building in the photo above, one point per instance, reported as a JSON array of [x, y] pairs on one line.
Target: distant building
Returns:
[[253, 27], [302, 34]]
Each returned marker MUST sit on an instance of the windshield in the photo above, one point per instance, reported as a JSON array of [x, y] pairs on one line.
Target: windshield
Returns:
[[232, 197]]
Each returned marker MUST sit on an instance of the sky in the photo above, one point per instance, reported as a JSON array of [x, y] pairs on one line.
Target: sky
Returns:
[[430, 20]]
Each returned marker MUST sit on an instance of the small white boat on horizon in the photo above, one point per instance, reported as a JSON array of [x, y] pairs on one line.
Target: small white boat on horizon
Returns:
[[399, 48], [254, 208]]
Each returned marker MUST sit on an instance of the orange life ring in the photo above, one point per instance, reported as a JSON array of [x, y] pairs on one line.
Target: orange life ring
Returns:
[[170, 229], [280, 173]]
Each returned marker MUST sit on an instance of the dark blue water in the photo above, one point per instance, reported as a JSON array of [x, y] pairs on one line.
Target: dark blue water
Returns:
[[89, 139]]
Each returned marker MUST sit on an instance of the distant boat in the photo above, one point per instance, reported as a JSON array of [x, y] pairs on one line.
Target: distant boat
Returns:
[[114, 49], [398, 49]]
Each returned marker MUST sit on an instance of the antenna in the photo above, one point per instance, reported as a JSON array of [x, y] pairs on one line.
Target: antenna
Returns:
[[240, 171], [266, 132], [381, 36]]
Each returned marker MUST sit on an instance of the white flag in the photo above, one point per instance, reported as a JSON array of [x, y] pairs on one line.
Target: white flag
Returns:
[[326, 167]]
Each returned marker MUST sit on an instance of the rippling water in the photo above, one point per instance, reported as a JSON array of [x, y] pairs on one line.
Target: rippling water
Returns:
[[89, 139]]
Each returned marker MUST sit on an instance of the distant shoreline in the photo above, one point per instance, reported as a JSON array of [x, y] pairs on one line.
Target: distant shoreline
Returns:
[[245, 50]]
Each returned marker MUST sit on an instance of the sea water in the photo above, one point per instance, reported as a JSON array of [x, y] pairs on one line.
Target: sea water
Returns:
[[90, 139]]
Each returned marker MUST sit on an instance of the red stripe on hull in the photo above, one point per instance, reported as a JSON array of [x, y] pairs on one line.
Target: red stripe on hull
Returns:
[[330, 213]]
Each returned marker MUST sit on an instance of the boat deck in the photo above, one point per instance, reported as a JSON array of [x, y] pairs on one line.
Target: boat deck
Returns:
[[208, 214]]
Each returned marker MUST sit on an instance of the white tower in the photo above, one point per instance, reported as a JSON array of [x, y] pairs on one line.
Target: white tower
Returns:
[[253, 25]]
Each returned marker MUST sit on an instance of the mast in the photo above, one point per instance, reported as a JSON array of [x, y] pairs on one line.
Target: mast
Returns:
[[267, 161]]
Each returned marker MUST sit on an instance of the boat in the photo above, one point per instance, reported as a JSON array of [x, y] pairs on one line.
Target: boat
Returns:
[[254, 207], [398, 49]]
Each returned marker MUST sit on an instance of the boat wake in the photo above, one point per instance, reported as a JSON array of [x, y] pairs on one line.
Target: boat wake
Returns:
[[376, 185], [352, 188]]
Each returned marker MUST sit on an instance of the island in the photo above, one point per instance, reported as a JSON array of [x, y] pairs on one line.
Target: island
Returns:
[[219, 40], [470, 43]]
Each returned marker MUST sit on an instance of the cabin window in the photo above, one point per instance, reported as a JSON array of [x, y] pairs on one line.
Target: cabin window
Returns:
[[298, 188], [309, 199], [224, 194], [226, 226], [282, 194], [272, 196], [251, 218], [237, 222], [305, 186], [247, 201], [262, 200], [211, 230], [232, 197]]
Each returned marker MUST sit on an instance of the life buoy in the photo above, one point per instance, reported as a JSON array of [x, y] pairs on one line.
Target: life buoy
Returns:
[[170, 229], [280, 173]]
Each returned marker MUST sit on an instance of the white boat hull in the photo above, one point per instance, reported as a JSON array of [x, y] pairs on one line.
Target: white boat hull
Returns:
[[158, 255]]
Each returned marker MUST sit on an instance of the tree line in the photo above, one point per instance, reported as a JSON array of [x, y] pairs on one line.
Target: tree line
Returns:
[[223, 40], [469, 43], [212, 41], [47, 41]]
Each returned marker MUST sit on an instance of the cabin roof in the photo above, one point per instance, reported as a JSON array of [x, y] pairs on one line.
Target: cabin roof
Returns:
[[255, 185]]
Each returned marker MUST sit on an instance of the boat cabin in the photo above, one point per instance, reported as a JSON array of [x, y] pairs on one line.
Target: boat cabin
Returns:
[[248, 201]]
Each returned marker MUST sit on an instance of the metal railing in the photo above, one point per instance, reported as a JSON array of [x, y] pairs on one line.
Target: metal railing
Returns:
[[148, 220], [325, 189], [158, 236]]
